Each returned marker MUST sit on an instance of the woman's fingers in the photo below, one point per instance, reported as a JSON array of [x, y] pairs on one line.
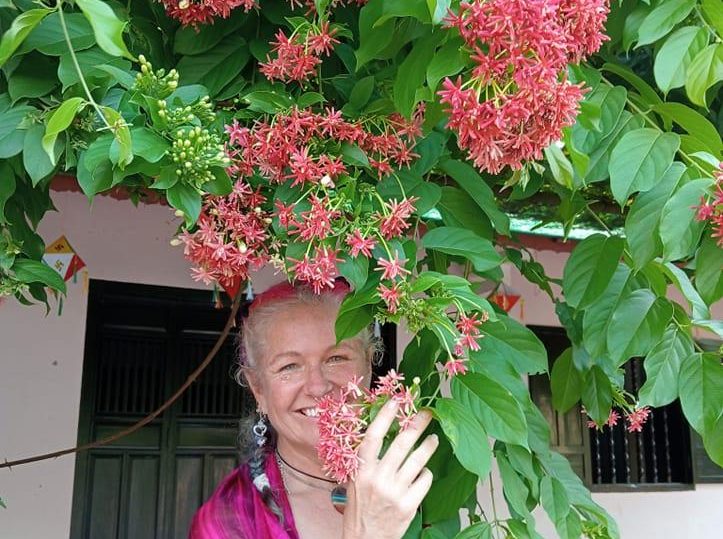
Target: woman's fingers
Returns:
[[374, 437], [417, 460], [404, 442], [418, 490]]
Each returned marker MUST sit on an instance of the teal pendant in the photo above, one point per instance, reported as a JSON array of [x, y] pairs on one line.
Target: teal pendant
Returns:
[[338, 498]]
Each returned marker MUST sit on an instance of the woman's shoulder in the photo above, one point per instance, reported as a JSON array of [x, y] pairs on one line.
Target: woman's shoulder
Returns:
[[219, 516]]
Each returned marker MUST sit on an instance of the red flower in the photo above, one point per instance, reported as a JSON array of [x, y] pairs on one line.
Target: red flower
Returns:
[[393, 224], [195, 12], [391, 296], [392, 268], [455, 366], [360, 244], [637, 418]]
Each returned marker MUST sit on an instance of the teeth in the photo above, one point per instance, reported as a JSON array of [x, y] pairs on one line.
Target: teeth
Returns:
[[310, 412]]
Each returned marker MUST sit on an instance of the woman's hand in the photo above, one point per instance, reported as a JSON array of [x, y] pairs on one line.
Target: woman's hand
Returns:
[[384, 498]]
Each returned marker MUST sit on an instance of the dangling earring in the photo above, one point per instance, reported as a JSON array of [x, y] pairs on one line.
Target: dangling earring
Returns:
[[259, 429]]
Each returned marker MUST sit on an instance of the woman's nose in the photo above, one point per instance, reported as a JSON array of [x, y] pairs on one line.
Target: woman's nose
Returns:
[[317, 383]]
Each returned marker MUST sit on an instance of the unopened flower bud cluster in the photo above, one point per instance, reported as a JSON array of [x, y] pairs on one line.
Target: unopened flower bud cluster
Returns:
[[194, 152], [155, 84]]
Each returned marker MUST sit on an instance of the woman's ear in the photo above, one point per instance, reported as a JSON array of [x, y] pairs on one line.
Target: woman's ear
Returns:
[[255, 386]]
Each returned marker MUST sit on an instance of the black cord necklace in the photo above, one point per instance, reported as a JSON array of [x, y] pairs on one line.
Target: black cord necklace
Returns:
[[338, 493]]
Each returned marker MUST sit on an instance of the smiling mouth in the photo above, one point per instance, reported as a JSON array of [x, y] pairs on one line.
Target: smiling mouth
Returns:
[[312, 412]]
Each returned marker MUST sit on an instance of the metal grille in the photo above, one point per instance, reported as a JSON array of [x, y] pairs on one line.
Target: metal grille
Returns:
[[215, 393], [659, 454], [130, 373]]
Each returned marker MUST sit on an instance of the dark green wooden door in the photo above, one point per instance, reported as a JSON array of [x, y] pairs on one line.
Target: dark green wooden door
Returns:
[[141, 344]]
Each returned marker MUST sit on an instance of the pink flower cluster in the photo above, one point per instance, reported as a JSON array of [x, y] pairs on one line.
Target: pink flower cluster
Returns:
[[517, 99], [302, 146], [635, 419], [712, 209], [231, 237], [297, 57], [344, 416], [468, 327], [195, 12]]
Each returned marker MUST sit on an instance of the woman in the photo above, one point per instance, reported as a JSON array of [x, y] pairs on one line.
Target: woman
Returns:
[[290, 359]]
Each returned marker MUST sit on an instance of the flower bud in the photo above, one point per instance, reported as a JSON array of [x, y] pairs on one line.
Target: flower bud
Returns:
[[178, 213], [175, 242]]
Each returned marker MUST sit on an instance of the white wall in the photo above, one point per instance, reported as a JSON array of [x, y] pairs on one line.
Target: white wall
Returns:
[[41, 367]]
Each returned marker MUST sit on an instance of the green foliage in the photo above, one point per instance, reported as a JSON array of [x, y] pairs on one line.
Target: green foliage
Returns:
[[639, 158]]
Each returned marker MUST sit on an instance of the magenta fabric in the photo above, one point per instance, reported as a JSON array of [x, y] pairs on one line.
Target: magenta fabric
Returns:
[[236, 510]]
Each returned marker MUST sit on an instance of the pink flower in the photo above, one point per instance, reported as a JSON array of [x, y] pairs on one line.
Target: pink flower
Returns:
[[613, 418], [391, 296], [393, 224], [360, 244], [195, 12], [320, 271], [392, 268], [455, 366], [637, 418]]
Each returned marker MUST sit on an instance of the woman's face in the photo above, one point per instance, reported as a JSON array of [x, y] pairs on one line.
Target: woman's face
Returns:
[[299, 364]]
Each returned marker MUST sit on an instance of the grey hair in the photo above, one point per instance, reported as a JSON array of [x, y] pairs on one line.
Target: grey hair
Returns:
[[251, 338]]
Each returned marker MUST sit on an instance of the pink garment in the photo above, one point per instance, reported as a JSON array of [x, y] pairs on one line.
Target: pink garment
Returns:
[[236, 510]]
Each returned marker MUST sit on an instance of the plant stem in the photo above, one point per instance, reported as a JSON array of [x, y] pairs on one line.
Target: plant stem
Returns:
[[98, 110]]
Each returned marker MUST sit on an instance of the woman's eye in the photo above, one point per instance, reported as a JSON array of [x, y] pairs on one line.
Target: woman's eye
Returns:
[[288, 367], [337, 359]]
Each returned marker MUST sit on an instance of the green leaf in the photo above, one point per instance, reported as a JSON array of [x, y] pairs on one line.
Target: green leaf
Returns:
[[32, 271], [438, 9], [643, 220], [639, 160], [412, 73], [566, 382], [90, 61], [704, 71], [493, 405], [404, 8], [560, 166], [59, 121], [464, 243], [107, 27], [597, 169], [190, 41], [681, 281], [449, 60], [632, 24], [676, 54], [148, 145], [34, 77], [469, 180], [48, 36], [362, 92], [611, 101], [510, 342], [7, 187], [354, 270], [514, 489], [679, 230], [646, 91], [479, 530], [625, 335], [21, 26], [121, 151], [36, 162], [459, 210], [694, 123], [373, 38], [713, 11], [350, 322], [708, 275], [554, 499], [597, 394], [468, 438], [590, 268], [354, 155], [662, 367], [267, 101], [187, 199], [217, 67], [662, 19], [220, 185], [701, 391]]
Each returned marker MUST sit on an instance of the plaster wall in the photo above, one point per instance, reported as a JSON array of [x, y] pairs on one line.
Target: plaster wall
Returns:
[[41, 368]]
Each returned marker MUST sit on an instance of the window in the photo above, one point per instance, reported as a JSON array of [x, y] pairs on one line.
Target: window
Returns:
[[667, 454]]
